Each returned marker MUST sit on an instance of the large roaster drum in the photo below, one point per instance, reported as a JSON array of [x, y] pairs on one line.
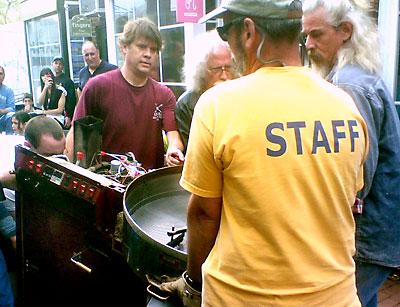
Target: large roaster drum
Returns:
[[154, 208]]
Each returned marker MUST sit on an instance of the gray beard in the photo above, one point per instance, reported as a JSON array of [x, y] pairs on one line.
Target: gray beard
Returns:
[[319, 65], [322, 70], [241, 61]]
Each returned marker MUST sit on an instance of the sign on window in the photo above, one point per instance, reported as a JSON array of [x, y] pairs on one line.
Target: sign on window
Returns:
[[189, 10], [81, 26]]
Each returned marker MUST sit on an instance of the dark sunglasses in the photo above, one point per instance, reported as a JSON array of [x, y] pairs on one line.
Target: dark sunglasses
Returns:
[[223, 31]]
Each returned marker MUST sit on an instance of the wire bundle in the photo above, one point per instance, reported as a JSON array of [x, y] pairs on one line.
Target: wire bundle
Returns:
[[122, 168]]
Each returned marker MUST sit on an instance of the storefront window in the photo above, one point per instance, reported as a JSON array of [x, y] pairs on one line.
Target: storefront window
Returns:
[[167, 12], [172, 54], [125, 10], [43, 38], [75, 43]]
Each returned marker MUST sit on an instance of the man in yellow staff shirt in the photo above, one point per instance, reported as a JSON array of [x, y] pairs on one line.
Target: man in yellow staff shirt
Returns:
[[274, 163]]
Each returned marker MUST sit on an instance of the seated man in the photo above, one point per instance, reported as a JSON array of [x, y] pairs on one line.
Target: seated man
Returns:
[[28, 103], [7, 104]]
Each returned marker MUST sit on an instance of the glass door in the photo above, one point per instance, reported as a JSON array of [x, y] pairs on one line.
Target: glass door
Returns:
[[43, 42], [76, 61]]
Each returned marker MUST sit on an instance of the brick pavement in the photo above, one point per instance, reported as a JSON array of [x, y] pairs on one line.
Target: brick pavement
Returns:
[[389, 294]]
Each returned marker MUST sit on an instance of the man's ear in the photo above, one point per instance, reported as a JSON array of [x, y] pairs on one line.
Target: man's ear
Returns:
[[346, 30], [124, 49], [249, 33]]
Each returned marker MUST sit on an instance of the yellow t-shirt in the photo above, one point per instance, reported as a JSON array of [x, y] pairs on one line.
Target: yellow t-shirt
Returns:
[[284, 149]]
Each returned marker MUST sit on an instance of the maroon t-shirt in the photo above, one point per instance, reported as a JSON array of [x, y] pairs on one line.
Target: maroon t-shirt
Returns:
[[133, 117]]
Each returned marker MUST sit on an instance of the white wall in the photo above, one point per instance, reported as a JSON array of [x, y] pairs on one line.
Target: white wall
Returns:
[[34, 8], [13, 57], [388, 21]]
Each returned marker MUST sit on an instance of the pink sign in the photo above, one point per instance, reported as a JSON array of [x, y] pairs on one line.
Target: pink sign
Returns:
[[189, 10]]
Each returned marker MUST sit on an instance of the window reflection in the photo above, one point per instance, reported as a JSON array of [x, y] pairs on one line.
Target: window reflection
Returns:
[[125, 10], [172, 54], [168, 16]]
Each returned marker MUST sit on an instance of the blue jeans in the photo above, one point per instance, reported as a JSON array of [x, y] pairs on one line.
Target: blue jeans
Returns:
[[6, 292], [369, 278]]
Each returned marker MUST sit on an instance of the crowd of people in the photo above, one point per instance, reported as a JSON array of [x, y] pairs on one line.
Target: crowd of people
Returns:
[[57, 95], [293, 171], [43, 125]]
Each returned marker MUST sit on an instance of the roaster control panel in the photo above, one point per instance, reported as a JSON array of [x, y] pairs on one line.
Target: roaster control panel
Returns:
[[66, 180], [69, 177]]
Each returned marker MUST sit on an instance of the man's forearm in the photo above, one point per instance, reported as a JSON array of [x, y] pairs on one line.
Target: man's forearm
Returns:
[[203, 224], [8, 180], [174, 139]]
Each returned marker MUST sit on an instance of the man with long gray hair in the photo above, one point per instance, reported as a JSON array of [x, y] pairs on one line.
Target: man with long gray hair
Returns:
[[208, 62], [342, 43]]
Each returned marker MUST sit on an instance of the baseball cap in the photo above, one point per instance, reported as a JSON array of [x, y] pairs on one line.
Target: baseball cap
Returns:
[[58, 58], [273, 9]]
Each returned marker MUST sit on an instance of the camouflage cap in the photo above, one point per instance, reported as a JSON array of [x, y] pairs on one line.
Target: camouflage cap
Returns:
[[273, 9]]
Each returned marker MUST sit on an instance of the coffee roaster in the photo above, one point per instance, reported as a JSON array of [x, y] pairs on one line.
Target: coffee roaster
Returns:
[[155, 223], [154, 232], [66, 217]]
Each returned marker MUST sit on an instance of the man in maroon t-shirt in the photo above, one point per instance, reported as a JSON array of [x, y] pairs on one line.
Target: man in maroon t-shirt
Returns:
[[134, 108]]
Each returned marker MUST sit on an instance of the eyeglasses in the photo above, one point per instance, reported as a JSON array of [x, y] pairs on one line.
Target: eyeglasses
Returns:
[[89, 54], [223, 31], [219, 69]]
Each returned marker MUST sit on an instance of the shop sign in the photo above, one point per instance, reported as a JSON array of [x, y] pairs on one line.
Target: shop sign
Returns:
[[189, 10], [81, 26]]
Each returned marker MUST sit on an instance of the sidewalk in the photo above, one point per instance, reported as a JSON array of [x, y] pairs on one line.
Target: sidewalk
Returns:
[[389, 294]]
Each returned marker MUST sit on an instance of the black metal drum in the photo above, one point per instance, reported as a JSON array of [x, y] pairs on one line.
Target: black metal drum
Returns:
[[155, 223]]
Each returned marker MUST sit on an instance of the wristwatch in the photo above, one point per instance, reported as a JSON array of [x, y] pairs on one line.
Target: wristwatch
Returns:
[[196, 285]]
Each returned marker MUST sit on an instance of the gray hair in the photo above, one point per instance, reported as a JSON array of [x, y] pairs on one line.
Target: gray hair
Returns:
[[363, 46], [195, 68]]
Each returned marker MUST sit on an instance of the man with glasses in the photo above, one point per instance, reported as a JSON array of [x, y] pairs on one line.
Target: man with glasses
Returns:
[[210, 62], [7, 104], [274, 163], [94, 65]]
